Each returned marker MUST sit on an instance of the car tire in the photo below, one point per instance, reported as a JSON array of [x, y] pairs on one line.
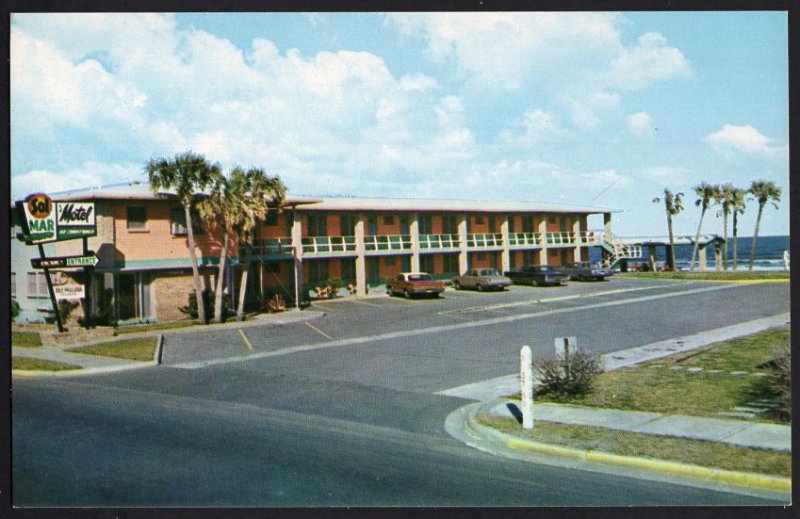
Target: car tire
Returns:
[[407, 294], [481, 288], [457, 285], [389, 292]]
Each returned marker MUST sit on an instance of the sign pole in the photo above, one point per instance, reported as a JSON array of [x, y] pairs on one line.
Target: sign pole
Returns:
[[51, 292], [526, 386]]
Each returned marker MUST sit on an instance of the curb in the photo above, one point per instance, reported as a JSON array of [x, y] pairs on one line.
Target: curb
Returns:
[[740, 480], [81, 371]]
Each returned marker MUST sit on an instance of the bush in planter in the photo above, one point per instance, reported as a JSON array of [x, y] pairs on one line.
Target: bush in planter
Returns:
[[570, 376], [208, 303], [15, 310]]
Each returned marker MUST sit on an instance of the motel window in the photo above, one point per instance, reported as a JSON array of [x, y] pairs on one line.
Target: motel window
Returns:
[[405, 263], [449, 225], [317, 271], [425, 224], [479, 220], [137, 218], [426, 263], [390, 261], [480, 256], [13, 284], [552, 221], [492, 224], [511, 228], [347, 225], [37, 285], [388, 219], [349, 270], [527, 223], [271, 219], [317, 225], [177, 222], [450, 263]]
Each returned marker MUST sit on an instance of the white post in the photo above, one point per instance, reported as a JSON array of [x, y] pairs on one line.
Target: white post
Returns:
[[526, 386]]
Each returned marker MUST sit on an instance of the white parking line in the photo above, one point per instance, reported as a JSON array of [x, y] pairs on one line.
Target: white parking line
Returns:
[[318, 331], [487, 308], [443, 328]]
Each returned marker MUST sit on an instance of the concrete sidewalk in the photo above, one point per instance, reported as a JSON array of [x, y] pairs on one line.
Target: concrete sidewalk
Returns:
[[734, 432]]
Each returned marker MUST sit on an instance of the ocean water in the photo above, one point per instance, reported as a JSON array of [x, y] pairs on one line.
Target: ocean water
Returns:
[[769, 254]]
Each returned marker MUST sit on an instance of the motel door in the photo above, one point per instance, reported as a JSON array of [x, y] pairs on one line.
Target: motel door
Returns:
[[372, 271], [132, 296]]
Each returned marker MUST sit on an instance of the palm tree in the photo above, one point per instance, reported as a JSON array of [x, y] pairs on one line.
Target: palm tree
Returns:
[[221, 209], [763, 191], [188, 173], [726, 199], [673, 204], [706, 193], [258, 191], [737, 208]]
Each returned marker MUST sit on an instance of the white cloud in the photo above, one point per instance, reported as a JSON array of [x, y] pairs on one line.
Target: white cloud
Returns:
[[650, 61], [89, 174], [669, 175], [733, 140], [640, 124], [535, 127], [420, 82]]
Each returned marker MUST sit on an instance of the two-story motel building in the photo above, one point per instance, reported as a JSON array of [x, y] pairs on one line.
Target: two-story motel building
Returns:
[[144, 271]]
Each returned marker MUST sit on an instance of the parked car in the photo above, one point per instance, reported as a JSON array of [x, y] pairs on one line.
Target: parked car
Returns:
[[538, 275], [481, 279], [584, 271], [414, 284]]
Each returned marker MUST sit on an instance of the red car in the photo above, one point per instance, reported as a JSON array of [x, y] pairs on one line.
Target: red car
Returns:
[[414, 284]]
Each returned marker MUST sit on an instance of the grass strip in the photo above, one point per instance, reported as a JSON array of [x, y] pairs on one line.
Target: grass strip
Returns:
[[28, 364], [682, 450], [154, 327], [733, 375], [141, 349], [709, 276], [26, 339]]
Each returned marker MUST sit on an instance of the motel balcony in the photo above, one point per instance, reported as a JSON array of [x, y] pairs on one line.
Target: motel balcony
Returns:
[[271, 248], [378, 244], [438, 242], [319, 246], [485, 241]]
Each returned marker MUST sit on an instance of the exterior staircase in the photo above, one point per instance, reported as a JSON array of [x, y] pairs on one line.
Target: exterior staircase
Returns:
[[617, 251]]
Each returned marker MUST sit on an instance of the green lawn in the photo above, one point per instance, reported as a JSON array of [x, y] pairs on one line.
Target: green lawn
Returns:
[[142, 328], [655, 386], [739, 275], [131, 349], [26, 339], [695, 452], [25, 363]]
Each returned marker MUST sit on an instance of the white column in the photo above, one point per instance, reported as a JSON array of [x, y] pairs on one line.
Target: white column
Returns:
[[526, 386], [543, 238], [576, 229], [297, 244], [505, 255], [361, 260], [414, 230], [463, 258]]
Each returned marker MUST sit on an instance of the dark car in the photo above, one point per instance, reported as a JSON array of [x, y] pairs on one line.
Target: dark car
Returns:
[[537, 275], [584, 271]]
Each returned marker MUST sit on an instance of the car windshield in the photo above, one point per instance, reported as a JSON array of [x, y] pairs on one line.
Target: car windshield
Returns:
[[489, 272], [419, 277]]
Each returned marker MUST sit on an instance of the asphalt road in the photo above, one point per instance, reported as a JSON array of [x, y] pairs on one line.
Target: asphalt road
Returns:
[[342, 410]]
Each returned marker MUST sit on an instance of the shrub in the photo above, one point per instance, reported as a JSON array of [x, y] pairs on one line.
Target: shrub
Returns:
[[65, 309], [208, 303], [570, 376], [777, 387], [14, 309]]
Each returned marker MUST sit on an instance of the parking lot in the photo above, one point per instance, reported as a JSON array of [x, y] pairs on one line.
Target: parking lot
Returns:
[[465, 336]]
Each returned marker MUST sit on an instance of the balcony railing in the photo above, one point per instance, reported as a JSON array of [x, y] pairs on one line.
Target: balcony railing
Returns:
[[485, 240], [316, 245], [387, 243], [524, 239], [560, 238], [438, 241], [272, 247]]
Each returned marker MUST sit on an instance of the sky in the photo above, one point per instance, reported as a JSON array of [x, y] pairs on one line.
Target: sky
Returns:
[[595, 109]]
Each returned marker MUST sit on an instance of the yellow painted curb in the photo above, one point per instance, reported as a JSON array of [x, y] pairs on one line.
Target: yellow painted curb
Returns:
[[745, 479]]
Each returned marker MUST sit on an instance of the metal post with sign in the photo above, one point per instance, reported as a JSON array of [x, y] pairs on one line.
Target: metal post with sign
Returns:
[[45, 221]]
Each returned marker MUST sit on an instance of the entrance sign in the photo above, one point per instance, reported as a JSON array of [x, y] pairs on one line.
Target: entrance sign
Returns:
[[89, 260]]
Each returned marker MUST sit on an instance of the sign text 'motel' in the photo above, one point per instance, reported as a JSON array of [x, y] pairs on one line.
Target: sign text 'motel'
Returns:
[[47, 221], [89, 260]]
